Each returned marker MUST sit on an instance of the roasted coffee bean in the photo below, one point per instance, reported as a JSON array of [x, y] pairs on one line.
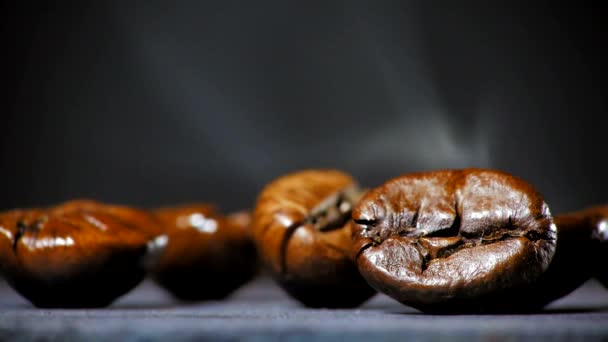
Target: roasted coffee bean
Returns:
[[208, 256], [578, 243], [57, 258], [302, 234], [583, 236], [455, 240], [599, 217], [137, 219]]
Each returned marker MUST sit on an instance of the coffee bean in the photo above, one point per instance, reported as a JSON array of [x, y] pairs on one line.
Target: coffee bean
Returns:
[[208, 255], [455, 240], [578, 244], [67, 258], [582, 248], [134, 218], [302, 233], [599, 219]]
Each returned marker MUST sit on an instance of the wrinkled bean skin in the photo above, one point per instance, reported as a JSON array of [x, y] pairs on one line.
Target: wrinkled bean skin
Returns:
[[208, 255], [302, 234], [68, 259], [578, 243], [455, 240]]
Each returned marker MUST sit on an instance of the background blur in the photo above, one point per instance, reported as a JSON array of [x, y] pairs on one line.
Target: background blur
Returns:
[[152, 103]]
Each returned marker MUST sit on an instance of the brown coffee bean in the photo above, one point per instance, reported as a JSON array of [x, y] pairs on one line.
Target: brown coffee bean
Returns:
[[208, 256], [302, 234], [583, 236], [581, 239], [130, 217], [599, 217], [137, 219], [58, 258], [570, 267], [454, 241]]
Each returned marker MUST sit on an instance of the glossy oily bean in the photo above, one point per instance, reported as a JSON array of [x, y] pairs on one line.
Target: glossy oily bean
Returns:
[[70, 259], [208, 255], [137, 219], [302, 234], [598, 216], [130, 217], [578, 245], [455, 240], [586, 253]]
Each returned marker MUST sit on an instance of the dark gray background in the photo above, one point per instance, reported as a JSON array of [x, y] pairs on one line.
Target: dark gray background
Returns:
[[151, 103]]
